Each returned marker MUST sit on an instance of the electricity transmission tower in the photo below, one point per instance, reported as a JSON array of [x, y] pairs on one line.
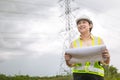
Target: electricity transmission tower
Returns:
[[68, 33]]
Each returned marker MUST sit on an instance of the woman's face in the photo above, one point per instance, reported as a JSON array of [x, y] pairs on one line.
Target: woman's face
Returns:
[[83, 26]]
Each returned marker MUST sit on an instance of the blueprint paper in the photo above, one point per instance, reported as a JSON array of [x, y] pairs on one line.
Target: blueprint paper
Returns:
[[81, 55]]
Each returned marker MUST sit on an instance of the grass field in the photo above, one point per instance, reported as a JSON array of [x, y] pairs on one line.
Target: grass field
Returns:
[[111, 73]]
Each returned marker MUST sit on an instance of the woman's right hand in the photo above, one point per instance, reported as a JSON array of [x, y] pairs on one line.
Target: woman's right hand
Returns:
[[67, 57]]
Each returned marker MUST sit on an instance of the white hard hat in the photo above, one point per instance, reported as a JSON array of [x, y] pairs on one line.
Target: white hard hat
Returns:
[[84, 18]]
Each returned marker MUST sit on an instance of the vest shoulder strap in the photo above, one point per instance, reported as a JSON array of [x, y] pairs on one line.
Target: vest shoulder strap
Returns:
[[78, 42], [97, 40]]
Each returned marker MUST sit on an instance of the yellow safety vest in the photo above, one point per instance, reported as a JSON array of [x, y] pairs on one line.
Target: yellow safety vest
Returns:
[[94, 68]]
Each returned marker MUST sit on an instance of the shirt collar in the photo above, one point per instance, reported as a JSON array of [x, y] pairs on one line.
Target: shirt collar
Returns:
[[91, 36]]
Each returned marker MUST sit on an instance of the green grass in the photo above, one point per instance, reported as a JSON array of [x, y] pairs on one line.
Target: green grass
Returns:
[[58, 77], [111, 73]]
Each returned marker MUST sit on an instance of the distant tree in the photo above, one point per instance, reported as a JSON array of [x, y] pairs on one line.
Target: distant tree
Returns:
[[3, 77], [21, 77], [110, 70], [111, 73]]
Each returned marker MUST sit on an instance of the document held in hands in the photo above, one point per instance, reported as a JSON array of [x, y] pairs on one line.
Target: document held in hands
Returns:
[[83, 54]]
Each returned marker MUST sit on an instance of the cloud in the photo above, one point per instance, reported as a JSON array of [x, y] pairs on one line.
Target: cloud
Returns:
[[30, 33], [21, 10], [42, 65], [97, 6]]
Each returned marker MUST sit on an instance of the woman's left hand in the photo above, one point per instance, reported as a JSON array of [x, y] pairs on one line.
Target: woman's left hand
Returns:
[[105, 54]]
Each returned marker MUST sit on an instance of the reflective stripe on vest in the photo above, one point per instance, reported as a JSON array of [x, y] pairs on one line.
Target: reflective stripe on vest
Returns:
[[94, 68]]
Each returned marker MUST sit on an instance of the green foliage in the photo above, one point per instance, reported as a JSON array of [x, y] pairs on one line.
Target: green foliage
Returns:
[[111, 73], [3, 77]]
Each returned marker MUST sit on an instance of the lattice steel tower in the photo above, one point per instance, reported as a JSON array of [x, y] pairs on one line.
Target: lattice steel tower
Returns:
[[68, 33]]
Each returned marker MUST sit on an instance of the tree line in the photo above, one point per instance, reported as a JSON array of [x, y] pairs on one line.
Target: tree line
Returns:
[[111, 73]]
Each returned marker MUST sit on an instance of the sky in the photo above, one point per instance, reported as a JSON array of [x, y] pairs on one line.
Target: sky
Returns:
[[32, 33]]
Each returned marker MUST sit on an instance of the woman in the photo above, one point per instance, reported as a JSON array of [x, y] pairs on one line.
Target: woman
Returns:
[[89, 71]]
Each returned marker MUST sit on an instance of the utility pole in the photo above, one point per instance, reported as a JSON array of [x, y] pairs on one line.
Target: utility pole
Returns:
[[67, 37]]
